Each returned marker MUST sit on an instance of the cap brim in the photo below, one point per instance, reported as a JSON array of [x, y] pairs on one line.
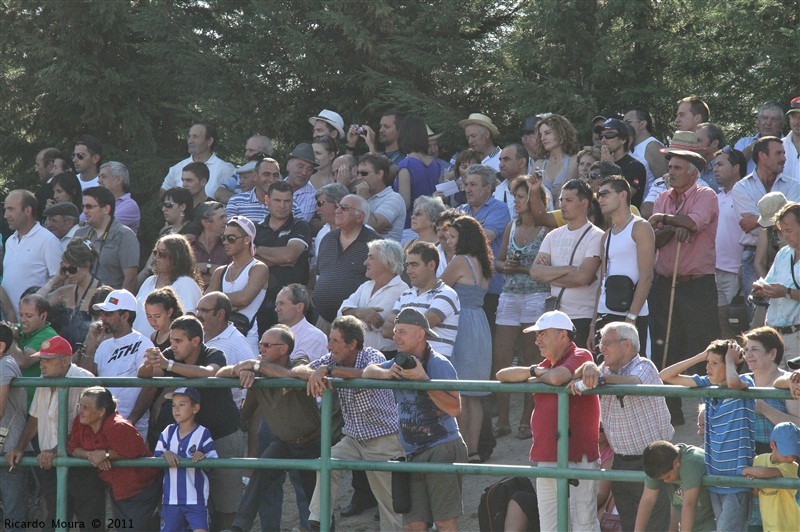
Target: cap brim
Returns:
[[39, 354], [434, 137], [430, 334], [302, 159], [794, 363], [313, 121], [532, 328], [790, 111]]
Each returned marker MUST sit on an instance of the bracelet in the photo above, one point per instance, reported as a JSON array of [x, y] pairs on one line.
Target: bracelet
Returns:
[[170, 364]]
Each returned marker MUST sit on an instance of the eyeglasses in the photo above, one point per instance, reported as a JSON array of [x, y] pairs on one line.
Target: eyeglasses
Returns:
[[168, 204], [346, 208], [69, 269], [79, 156], [259, 156], [320, 203], [595, 175], [160, 254], [268, 345], [609, 134], [604, 192], [230, 239], [364, 173], [89, 206]]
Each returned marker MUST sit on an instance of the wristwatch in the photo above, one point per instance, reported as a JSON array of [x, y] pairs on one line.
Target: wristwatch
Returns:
[[631, 316], [533, 371], [170, 364], [108, 455], [788, 293], [208, 267], [256, 366], [330, 369]]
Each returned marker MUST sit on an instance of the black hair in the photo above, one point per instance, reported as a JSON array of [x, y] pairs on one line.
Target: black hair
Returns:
[[658, 458], [200, 170], [103, 197], [189, 325]]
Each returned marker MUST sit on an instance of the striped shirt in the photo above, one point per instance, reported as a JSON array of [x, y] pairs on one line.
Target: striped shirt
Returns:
[[730, 434], [442, 301], [245, 204], [367, 414], [632, 423], [185, 485]]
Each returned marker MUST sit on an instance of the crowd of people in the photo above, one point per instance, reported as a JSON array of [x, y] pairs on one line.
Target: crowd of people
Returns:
[[367, 255]]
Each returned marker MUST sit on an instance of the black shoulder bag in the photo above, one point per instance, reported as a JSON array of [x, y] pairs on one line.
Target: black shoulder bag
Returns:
[[554, 302]]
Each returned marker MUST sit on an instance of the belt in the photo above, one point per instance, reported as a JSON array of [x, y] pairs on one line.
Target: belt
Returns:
[[628, 457], [305, 439], [685, 278], [788, 329]]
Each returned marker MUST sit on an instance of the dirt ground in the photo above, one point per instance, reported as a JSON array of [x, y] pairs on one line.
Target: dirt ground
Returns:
[[509, 450]]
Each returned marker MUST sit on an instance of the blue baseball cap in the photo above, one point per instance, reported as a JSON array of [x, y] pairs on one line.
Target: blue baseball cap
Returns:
[[191, 393], [786, 436]]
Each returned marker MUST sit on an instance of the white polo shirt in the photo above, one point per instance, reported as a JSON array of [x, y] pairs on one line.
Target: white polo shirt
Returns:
[[29, 261], [218, 170]]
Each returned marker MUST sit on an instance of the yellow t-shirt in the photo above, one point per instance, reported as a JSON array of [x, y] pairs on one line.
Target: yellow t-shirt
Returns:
[[779, 509]]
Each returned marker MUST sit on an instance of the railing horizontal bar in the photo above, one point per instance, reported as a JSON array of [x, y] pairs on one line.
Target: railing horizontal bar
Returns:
[[493, 386]]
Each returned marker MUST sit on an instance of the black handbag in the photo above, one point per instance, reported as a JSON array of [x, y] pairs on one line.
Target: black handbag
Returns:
[[619, 288], [401, 489]]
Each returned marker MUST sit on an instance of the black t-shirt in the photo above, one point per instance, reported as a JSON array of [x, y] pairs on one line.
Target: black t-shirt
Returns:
[[218, 412], [635, 173], [280, 276]]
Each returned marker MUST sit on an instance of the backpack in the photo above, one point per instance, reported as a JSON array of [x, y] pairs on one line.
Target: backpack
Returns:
[[494, 503]]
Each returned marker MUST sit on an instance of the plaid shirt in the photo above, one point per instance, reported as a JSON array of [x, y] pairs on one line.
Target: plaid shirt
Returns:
[[631, 423], [367, 413]]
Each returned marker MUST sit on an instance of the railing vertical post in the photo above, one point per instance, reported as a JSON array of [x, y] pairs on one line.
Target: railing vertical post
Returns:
[[325, 462], [563, 459], [61, 451]]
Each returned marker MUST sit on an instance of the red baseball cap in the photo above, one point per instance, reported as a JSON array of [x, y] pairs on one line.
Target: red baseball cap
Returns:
[[54, 347]]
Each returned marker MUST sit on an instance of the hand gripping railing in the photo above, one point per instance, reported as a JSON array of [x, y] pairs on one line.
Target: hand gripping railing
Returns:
[[325, 465]]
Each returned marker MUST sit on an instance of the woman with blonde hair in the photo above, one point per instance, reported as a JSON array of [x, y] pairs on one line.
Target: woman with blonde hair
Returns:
[[559, 140], [174, 266], [70, 291]]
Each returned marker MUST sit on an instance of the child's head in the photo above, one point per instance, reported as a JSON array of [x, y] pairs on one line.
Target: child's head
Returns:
[[715, 362], [660, 461], [785, 442], [185, 404]]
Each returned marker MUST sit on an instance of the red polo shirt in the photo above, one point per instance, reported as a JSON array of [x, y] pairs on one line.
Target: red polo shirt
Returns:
[[119, 434]]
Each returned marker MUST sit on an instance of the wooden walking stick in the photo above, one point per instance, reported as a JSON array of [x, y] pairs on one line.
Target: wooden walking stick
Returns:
[[671, 303]]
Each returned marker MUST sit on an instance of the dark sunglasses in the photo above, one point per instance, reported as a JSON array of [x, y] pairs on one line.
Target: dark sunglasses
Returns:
[[69, 269], [320, 203], [609, 134], [168, 204], [160, 254], [80, 156], [595, 175], [364, 173], [230, 239]]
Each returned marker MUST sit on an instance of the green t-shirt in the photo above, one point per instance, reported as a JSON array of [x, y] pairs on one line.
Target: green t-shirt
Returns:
[[34, 341], [690, 475]]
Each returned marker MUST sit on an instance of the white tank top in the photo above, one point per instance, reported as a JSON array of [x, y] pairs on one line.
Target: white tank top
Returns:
[[621, 260], [638, 153], [239, 284]]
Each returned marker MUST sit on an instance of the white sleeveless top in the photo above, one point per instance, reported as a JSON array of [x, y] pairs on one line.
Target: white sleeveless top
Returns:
[[239, 284], [638, 153], [621, 260]]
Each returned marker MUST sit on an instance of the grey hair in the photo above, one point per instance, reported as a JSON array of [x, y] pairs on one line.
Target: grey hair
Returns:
[[205, 210], [333, 192], [432, 206], [486, 173], [392, 255], [773, 105], [625, 331], [363, 206], [117, 169]]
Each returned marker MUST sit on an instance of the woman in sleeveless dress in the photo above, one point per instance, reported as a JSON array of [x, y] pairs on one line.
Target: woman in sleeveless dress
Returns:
[[70, 291], [521, 303], [244, 280], [173, 266], [559, 140], [468, 274]]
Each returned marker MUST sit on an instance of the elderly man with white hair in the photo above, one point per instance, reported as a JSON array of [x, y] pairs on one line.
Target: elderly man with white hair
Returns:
[[342, 253], [374, 300], [115, 177]]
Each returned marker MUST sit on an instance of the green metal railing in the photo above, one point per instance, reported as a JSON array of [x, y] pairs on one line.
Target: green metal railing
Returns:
[[325, 465]]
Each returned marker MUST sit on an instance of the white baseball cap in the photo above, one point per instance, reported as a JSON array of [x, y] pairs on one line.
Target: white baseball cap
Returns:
[[555, 319], [117, 300]]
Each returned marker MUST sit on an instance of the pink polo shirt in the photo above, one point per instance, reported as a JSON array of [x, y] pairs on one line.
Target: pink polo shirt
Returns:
[[698, 256]]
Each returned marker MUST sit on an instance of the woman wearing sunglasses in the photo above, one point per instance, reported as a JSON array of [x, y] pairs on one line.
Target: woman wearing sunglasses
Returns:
[[66, 187], [70, 291], [176, 205], [174, 266], [559, 140]]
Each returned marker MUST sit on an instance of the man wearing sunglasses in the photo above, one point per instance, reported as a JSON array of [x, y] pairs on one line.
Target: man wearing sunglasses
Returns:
[[201, 142], [87, 157], [616, 143]]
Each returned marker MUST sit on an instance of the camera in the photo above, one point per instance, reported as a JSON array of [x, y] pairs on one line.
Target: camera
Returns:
[[359, 130], [516, 255], [405, 360]]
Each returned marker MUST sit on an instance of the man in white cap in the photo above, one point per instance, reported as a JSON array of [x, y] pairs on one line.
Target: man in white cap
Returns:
[[55, 359], [327, 123], [428, 429], [555, 337], [201, 142], [120, 356], [480, 131]]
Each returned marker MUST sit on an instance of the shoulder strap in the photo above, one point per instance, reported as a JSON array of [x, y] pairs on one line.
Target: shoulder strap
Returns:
[[578, 243], [791, 269], [472, 269]]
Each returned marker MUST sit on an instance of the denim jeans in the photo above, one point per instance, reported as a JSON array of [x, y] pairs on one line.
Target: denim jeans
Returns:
[[14, 494], [732, 510]]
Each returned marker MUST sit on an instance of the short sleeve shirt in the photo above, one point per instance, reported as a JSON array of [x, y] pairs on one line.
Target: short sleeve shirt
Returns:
[[119, 250], [441, 300], [635, 174], [292, 230], [186, 485], [16, 414], [390, 205]]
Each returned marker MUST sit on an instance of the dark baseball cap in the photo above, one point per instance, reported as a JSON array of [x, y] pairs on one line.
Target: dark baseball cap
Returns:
[[411, 316]]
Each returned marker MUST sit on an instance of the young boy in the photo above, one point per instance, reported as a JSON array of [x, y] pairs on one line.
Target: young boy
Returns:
[[729, 428], [185, 490], [681, 468], [779, 509]]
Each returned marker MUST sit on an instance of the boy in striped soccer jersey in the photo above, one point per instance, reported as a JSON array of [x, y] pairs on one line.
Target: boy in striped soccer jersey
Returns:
[[185, 490]]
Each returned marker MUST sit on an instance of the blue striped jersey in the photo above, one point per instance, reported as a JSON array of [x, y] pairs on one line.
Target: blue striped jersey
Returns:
[[185, 485]]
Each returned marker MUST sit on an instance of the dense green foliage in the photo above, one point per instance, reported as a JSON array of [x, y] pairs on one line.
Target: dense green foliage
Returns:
[[136, 73]]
